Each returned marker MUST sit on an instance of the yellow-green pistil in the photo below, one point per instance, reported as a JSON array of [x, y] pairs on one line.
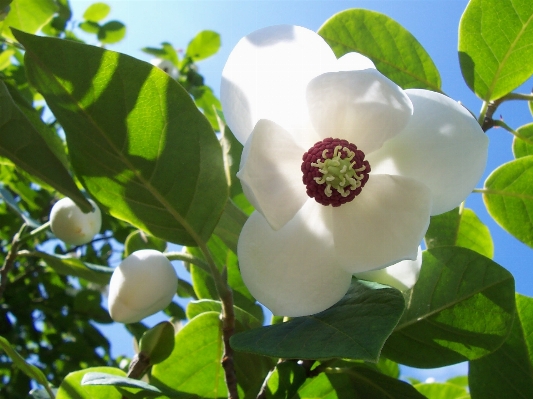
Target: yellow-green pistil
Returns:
[[334, 171], [339, 173]]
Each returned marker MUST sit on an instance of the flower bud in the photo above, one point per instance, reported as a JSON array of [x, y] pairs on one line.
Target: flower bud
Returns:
[[71, 225], [143, 284]]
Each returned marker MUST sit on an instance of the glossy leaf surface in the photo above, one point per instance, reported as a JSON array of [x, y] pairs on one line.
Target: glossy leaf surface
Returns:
[[395, 52], [495, 50], [523, 145], [348, 329], [461, 308], [72, 388], [136, 139]]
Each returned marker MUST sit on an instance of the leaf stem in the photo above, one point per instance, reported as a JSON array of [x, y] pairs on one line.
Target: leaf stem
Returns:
[[188, 258], [505, 126], [10, 259], [36, 231], [228, 321]]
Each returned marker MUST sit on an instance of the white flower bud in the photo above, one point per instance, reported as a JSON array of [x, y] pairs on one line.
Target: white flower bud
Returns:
[[167, 66], [71, 225], [143, 284]]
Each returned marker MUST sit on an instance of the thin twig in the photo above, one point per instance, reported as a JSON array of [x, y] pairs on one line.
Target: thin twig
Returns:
[[10, 259]]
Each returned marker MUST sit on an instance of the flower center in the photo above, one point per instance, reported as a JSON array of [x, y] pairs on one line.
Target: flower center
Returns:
[[334, 171]]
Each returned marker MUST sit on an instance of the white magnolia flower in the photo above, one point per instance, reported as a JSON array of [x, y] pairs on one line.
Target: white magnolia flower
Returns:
[[71, 225], [144, 283], [343, 167]]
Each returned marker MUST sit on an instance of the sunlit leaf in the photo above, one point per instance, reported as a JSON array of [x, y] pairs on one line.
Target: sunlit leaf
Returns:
[[89, 27], [354, 328], [461, 308], [195, 308], [204, 45], [72, 388], [508, 196], [356, 382], [21, 141], [112, 32], [96, 12], [28, 16], [395, 52], [136, 140], [98, 378], [460, 227], [495, 46], [523, 145], [510, 368], [442, 390]]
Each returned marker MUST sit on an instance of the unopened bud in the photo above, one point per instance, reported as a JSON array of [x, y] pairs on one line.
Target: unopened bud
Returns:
[[143, 284], [71, 225]]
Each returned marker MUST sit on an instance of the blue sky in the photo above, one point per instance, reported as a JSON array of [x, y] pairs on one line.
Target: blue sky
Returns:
[[433, 22]]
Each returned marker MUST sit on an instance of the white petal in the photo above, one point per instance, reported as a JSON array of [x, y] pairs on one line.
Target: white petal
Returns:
[[442, 146], [402, 275], [71, 225], [143, 284], [383, 225], [271, 173], [292, 271], [363, 107], [354, 62], [266, 75]]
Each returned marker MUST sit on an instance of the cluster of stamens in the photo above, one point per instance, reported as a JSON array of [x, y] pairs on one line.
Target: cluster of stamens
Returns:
[[334, 171]]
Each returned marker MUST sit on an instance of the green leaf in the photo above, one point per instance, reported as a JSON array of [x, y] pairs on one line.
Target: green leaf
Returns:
[[495, 50], [72, 388], [21, 142], [96, 12], [508, 196], [14, 206], [140, 240], [194, 365], [442, 390], [29, 369], [523, 145], [28, 16], [5, 58], [112, 32], [69, 266], [285, 380], [203, 45], [461, 308], [136, 140], [94, 378], [460, 227], [232, 150], [354, 328], [510, 368], [89, 27], [395, 52], [230, 225], [356, 382], [195, 308], [206, 100]]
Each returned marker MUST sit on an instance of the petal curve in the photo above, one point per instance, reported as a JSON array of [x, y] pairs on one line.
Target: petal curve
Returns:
[[266, 75], [363, 107], [292, 271], [443, 146], [270, 173], [383, 225], [402, 275]]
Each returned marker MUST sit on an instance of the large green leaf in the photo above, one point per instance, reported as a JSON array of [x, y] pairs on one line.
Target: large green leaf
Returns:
[[28, 16], [21, 141], [523, 144], [495, 49], [508, 197], [203, 45], [356, 382], [460, 227], [72, 388], [147, 390], [355, 328], [136, 140], [509, 370], [230, 225], [194, 366], [395, 52], [461, 308]]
